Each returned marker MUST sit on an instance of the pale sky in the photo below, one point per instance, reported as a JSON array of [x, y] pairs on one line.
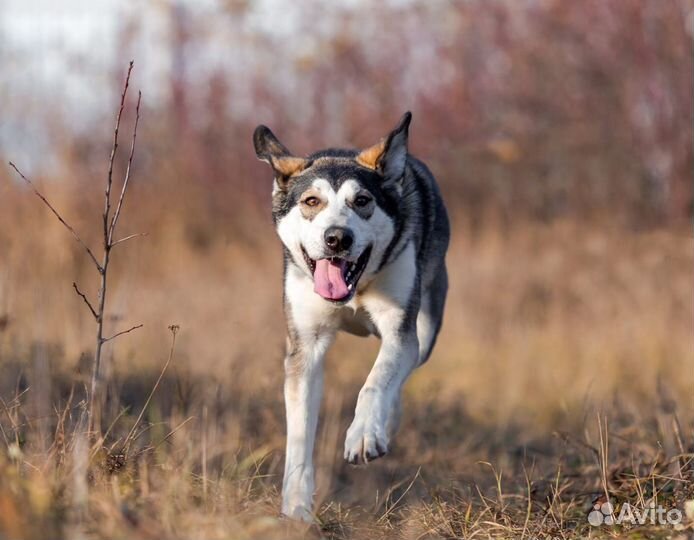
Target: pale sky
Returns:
[[60, 56]]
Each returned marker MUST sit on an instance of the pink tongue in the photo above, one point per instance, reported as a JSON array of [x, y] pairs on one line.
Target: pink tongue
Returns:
[[328, 280]]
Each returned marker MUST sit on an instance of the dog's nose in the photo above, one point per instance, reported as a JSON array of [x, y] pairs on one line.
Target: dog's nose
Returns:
[[338, 238]]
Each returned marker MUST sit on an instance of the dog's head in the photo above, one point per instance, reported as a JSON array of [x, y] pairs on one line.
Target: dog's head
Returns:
[[335, 209]]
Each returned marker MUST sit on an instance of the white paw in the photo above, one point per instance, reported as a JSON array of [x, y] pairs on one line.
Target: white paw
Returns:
[[297, 494], [366, 439], [298, 511]]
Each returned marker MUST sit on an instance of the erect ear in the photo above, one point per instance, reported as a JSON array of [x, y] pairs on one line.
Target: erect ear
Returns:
[[270, 150], [390, 154]]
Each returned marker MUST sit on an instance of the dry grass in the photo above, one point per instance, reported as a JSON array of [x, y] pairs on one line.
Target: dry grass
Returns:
[[565, 369], [551, 333]]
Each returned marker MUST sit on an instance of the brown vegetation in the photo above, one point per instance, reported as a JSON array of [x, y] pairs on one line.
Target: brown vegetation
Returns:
[[561, 134]]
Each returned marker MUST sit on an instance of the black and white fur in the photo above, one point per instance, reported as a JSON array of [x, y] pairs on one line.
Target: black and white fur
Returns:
[[389, 204]]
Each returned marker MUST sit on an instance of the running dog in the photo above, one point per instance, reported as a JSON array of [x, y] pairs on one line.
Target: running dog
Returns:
[[365, 234]]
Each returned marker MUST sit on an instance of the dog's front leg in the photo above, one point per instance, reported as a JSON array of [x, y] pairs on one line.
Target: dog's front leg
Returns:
[[310, 334], [303, 386], [392, 302], [368, 436]]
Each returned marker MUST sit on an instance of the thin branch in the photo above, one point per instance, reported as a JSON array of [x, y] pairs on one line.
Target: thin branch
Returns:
[[60, 218], [395, 504], [114, 336], [114, 149], [128, 439], [97, 444], [128, 238], [171, 433], [93, 421], [86, 301], [116, 214]]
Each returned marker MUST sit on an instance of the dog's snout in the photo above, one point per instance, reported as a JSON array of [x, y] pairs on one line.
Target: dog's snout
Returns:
[[338, 238]]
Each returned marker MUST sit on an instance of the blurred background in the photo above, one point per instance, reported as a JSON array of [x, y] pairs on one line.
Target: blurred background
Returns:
[[560, 133], [534, 110]]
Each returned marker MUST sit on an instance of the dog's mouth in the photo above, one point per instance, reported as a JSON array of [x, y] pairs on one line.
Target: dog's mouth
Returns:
[[336, 279]]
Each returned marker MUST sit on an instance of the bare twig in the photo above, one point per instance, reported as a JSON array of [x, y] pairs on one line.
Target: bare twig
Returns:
[[116, 214], [112, 158], [109, 224], [173, 431], [204, 451], [604, 455], [60, 218], [128, 439], [110, 221], [100, 441], [130, 237], [60, 443], [395, 504], [86, 301], [123, 332], [165, 439]]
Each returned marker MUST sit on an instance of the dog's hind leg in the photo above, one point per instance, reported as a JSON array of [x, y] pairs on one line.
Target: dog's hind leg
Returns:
[[429, 320], [430, 314]]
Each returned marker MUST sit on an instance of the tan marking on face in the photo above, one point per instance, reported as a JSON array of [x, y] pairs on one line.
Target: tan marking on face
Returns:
[[288, 165], [369, 157], [308, 208]]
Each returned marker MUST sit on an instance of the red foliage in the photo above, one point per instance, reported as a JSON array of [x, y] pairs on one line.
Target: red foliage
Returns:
[[532, 109]]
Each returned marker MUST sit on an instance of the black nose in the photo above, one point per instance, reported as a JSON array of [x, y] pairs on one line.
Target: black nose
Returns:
[[338, 238]]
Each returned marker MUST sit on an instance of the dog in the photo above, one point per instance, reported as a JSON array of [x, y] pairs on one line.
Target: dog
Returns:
[[365, 235]]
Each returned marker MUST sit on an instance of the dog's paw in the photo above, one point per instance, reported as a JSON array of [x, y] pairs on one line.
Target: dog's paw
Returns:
[[297, 494], [297, 512], [366, 440]]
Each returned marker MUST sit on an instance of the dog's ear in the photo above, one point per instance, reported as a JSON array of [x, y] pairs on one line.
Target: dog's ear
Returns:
[[389, 155], [270, 150]]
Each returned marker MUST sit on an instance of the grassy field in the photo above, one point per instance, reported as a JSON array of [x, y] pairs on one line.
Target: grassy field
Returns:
[[563, 379], [564, 374]]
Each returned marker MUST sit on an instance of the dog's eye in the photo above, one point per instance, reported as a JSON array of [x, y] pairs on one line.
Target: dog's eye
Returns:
[[362, 200], [311, 201]]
